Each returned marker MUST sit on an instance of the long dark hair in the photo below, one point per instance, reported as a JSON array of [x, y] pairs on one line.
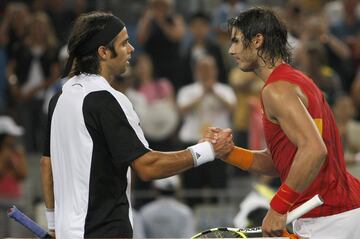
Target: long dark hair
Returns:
[[85, 27], [263, 21]]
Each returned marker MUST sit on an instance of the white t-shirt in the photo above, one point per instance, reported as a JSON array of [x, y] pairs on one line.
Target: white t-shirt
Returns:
[[210, 112], [93, 136]]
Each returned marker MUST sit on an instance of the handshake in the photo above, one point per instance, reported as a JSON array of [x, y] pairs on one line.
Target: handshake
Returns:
[[221, 140], [218, 143]]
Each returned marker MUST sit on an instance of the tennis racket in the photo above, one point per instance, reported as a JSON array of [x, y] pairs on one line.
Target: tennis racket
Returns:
[[229, 232], [24, 220]]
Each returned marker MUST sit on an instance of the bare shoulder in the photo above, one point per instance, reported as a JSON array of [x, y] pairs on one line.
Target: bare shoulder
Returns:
[[279, 96], [278, 91]]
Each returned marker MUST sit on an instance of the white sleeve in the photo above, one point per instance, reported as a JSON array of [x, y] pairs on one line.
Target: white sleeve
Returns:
[[227, 92], [188, 94]]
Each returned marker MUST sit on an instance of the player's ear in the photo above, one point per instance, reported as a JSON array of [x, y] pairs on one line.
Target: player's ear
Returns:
[[258, 41], [103, 53]]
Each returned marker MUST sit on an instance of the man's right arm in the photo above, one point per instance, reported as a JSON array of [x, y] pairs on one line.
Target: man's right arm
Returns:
[[47, 181], [156, 164], [258, 161], [262, 163], [48, 192]]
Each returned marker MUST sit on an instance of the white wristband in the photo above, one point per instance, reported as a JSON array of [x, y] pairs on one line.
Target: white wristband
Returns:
[[202, 153], [50, 217]]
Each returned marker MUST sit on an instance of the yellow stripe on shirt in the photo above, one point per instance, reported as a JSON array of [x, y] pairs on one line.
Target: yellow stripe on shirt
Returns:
[[319, 124]]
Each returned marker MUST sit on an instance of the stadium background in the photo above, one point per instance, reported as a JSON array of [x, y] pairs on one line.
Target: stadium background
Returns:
[[325, 40]]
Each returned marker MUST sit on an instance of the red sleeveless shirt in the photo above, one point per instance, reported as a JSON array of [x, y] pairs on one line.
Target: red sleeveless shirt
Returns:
[[339, 189]]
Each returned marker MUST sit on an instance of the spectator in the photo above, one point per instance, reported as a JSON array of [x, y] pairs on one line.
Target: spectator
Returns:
[[12, 159], [349, 26], [167, 217], [337, 53], [348, 30], [200, 45], [125, 84], [38, 6], [189, 6], [13, 28], [314, 64], [14, 25], [56, 86], [246, 119], [204, 103], [160, 120], [226, 10], [160, 31], [246, 86], [33, 69], [12, 171], [344, 111], [294, 14], [61, 19]]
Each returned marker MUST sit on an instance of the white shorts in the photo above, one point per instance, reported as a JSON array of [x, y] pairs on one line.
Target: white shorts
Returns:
[[344, 225]]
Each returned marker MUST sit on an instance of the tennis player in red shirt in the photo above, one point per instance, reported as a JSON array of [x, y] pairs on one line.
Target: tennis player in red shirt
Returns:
[[303, 143]]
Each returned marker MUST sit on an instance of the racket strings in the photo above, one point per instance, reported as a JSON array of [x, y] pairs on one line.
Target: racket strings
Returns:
[[221, 233]]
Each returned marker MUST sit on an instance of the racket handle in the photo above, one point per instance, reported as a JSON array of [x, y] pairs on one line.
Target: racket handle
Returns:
[[290, 236], [304, 208]]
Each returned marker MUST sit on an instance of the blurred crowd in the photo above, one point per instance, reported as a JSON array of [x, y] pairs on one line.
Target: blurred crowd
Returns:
[[181, 80]]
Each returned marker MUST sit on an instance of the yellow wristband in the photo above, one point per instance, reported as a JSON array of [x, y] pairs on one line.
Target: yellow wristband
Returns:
[[241, 158]]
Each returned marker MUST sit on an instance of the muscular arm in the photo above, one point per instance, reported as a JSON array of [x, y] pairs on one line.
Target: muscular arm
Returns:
[[258, 161], [47, 181], [262, 163], [155, 164], [300, 128]]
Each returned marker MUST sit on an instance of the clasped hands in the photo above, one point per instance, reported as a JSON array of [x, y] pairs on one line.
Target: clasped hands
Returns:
[[221, 140]]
